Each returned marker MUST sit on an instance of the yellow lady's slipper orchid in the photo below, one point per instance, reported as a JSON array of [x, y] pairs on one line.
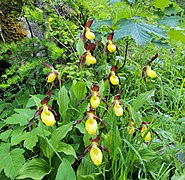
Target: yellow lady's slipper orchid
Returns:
[[114, 79], [118, 110], [150, 72], [91, 125], [111, 47], [95, 100], [51, 77], [47, 116], [143, 130], [89, 35], [131, 128], [96, 154], [90, 59]]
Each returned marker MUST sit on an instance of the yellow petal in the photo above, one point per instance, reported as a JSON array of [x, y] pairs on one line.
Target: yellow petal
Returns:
[[47, 117], [147, 137], [90, 59], [95, 101], [114, 79], [91, 126], [96, 155], [150, 72], [111, 47], [118, 110], [89, 35], [51, 77], [130, 130]]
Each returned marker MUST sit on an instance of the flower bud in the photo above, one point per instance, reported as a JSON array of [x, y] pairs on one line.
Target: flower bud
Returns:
[[114, 79], [91, 126], [90, 59], [118, 110], [47, 116], [95, 101], [143, 131], [51, 77], [96, 155], [150, 72], [111, 47], [89, 35]]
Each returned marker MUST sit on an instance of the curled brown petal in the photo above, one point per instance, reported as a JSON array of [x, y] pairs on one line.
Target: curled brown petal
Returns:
[[48, 65]]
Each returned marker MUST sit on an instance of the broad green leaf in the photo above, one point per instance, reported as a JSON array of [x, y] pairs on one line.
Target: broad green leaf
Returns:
[[36, 169], [35, 100], [141, 32], [65, 171], [61, 133], [5, 148], [79, 89], [80, 47], [161, 4], [86, 169], [12, 162], [63, 101], [30, 140], [50, 146], [169, 21], [5, 135], [176, 35], [66, 149], [148, 154], [22, 117], [142, 99], [135, 115]]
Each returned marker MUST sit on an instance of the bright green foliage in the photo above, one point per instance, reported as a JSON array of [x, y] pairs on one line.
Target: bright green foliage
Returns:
[[32, 150], [65, 171], [35, 169], [11, 161]]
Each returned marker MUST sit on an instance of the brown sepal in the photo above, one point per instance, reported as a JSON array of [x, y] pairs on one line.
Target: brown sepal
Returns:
[[95, 88], [113, 68], [96, 139], [91, 46], [88, 24], [83, 59], [144, 73], [48, 65], [110, 36], [152, 59]]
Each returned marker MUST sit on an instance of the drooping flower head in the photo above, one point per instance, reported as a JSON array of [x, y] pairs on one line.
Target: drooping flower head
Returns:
[[147, 70], [131, 128], [110, 46], [113, 77], [47, 114], [53, 75], [117, 105], [144, 133], [87, 57], [91, 124], [87, 32], [95, 100]]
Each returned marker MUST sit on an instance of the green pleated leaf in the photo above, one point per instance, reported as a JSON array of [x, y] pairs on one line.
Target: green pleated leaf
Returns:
[[141, 32], [65, 171], [11, 161], [63, 101], [142, 99], [79, 89], [66, 149], [35, 169], [21, 117], [30, 140]]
